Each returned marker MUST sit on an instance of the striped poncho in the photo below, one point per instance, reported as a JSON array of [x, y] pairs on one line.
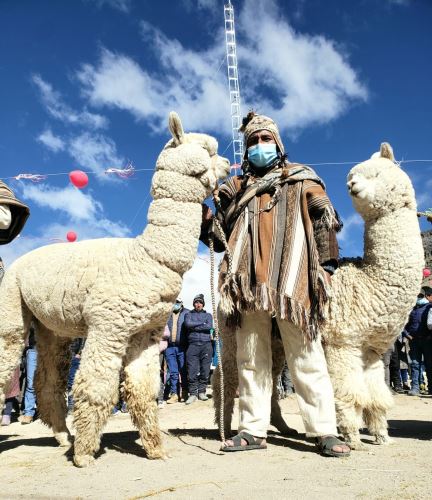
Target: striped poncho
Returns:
[[280, 230]]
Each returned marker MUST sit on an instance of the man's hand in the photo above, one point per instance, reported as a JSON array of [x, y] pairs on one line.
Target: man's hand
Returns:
[[207, 213]]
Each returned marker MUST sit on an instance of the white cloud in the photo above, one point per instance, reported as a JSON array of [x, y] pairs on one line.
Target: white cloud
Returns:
[[57, 108], [95, 151], [309, 78], [352, 221], [52, 142], [84, 215], [121, 5], [69, 200], [197, 280], [202, 4], [298, 79], [52, 233]]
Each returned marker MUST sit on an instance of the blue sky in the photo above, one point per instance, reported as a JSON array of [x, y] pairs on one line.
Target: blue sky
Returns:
[[88, 85]]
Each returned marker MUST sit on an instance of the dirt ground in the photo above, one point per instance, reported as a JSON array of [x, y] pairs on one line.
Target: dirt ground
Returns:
[[32, 466]]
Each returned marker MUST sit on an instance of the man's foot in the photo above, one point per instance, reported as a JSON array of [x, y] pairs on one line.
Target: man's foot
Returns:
[[161, 404], [331, 446], [173, 398], [124, 408], [6, 420], [398, 390], [191, 399], [202, 396], [244, 441], [26, 419]]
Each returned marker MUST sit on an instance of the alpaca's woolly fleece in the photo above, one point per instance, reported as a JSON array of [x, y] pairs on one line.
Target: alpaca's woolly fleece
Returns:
[[116, 292], [372, 296]]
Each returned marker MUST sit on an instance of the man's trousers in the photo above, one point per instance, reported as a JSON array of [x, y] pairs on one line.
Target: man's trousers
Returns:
[[307, 366], [175, 358], [198, 360]]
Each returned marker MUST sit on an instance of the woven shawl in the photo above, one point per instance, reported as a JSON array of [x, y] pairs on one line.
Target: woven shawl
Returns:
[[19, 212], [275, 261]]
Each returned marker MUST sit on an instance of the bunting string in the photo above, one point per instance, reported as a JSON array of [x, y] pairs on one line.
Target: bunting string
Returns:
[[130, 170]]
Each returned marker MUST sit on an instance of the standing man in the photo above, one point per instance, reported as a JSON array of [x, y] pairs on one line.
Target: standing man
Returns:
[[419, 332], [280, 227], [198, 326], [13, 216], [175, 353]]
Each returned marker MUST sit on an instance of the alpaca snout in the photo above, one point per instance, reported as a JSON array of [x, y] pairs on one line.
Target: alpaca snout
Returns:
[[224, 167], [355, 187]]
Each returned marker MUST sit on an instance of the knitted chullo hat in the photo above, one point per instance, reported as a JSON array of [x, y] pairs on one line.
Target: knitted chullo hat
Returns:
[[253, 122], [199, 298]]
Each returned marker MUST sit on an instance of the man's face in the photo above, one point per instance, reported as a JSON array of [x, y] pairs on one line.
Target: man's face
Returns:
[[199, 306], [429, 297], [260, 137]]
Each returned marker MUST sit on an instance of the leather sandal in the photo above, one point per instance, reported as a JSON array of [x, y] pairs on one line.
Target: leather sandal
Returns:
[[325, 446], [253, 443]]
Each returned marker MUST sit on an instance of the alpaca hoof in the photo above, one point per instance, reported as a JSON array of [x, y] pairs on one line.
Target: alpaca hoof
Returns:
[[63, 439], [356, 445], [158, 454], [382, 439], [83, 460]]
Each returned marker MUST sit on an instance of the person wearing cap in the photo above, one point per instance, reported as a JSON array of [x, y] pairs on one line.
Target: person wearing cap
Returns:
[[419, 332], [175, 352], [13, 215], [198, 326], [281, 231]]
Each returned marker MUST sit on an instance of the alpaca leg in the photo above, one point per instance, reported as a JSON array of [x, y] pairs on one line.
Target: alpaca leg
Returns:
[[229, 365], [379, 401], [345, 368], [14, 323], [276, 419], [95, 390], [141, 389], [51, 381]]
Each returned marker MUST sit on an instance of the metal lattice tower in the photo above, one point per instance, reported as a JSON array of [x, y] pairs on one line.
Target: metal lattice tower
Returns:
[[233, 82]]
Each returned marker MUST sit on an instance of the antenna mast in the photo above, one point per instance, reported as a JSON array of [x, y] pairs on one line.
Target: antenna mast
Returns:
[[233, 83]]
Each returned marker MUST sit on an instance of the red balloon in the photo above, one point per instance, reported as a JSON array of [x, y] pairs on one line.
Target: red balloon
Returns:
[[426, 272], [71, 236], [78, 178]]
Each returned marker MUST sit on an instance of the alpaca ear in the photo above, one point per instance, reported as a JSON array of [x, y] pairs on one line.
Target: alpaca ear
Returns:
[[386, 151], [176, 127]]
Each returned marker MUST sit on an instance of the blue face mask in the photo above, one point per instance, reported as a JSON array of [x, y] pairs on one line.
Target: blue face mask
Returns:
[[177, 307], [262, 155], [422, 301]]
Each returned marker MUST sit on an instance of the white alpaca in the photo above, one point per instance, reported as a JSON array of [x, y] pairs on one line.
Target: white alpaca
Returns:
[[372, 296], [116, 292], [370, 302]]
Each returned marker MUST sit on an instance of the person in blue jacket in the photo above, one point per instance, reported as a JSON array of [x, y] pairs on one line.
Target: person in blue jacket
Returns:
[[198, 327], [175, 352], [419, 332]]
